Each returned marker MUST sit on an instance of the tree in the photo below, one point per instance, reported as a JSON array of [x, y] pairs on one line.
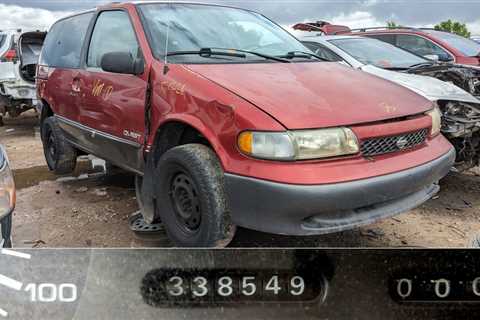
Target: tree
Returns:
[[392, 25], [453, 27]]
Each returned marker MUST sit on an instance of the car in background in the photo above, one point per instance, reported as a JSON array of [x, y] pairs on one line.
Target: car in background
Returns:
[[19, 52], [7, 200], [460, 110], [475, 38], [233, 122], [429, 43]]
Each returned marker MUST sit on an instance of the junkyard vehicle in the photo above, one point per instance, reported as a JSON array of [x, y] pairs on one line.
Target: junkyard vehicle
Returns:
[[441, 45], [7, 200], [475, 38], [461, 110], [19, 52], [233, 123], [462, 73]]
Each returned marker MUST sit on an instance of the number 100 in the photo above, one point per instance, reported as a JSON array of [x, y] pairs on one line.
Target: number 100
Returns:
[[50, 292]]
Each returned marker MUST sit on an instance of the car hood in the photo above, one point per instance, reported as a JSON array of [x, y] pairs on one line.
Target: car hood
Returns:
[[315, 94], [431, 88]]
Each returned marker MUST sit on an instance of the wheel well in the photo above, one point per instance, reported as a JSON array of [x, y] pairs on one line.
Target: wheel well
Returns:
[[173, 134], [46, 111]]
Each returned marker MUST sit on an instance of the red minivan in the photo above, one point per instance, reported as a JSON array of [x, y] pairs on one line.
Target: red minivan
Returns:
[[228, 120]]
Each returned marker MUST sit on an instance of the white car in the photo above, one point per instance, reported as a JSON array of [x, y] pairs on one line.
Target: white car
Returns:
[[7, 200], [460, 109], [19, 53]]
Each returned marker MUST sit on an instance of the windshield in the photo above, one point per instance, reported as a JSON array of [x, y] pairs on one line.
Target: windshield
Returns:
[[378, 53], [466, 46], [191, 27]]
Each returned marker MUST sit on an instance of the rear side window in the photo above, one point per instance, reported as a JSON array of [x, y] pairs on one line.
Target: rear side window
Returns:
[[113, 32], [63, 44]]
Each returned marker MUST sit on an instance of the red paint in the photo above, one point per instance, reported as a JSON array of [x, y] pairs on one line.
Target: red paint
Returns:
[[458, 56], [221, 101]]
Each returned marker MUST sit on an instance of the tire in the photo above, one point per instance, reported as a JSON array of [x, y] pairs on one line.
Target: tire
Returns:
[[191, 199], [60, 155], [6, 225]]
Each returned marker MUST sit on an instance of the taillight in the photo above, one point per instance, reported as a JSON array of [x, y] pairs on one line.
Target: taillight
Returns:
[[43, 72], [9, 56]]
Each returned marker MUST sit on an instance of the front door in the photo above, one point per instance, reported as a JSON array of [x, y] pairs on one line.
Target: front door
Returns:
[[113, 104]]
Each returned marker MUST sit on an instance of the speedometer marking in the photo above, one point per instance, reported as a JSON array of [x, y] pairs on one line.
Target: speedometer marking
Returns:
[[16, 254], [11, 283]]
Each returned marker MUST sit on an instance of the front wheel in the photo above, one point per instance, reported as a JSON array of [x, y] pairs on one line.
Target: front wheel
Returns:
[[191, 199]]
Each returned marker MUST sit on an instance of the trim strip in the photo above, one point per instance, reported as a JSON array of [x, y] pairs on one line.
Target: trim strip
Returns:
[[96, 132]]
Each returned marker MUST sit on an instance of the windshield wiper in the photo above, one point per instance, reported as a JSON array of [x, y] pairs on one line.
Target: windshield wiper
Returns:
[[259, 54], [302, 54], [206, 52], [421, 64]]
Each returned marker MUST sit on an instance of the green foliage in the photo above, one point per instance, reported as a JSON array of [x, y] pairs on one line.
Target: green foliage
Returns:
[[392, 25], [453, 27]]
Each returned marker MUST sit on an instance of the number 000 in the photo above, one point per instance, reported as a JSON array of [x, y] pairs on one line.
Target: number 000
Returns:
[[50, 292]]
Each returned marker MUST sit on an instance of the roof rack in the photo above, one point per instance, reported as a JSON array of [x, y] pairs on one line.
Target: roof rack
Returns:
[[386, 28]]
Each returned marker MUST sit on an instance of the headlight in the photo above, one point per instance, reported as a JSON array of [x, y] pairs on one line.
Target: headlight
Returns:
[[7, 186], [436, 116], [299, 145]]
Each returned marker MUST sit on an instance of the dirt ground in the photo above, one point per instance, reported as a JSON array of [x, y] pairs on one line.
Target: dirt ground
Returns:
[[91, 208]]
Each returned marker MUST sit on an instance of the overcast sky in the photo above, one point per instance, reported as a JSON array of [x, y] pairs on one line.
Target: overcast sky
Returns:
[[40, 14]]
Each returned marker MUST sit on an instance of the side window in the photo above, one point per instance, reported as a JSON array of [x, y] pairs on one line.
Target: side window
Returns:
[[63, 45], [113, 32], [323, 51], [421, 46], [389, 38]]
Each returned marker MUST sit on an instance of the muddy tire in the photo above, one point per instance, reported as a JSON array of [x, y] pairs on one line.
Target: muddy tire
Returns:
[[60, 155], [191, 199]]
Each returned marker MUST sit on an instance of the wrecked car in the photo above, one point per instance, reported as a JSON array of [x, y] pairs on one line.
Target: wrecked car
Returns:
[[233, 123], [19, 52], [460, 109], [7, 200]]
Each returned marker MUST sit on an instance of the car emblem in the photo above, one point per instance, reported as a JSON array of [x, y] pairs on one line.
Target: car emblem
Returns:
[[402, 143]]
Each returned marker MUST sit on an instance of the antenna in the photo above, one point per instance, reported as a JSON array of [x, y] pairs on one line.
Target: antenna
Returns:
[[165, 67]]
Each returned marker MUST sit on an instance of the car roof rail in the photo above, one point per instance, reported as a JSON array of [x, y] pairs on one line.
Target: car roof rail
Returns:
[[389, 28]]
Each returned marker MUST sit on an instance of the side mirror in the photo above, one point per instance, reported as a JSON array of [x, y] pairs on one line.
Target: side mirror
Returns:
[[121, 62], [432, 57]]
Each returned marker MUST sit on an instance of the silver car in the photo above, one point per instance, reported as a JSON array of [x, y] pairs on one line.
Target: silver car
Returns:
[[19, 53], [7, 200], [460, 109]]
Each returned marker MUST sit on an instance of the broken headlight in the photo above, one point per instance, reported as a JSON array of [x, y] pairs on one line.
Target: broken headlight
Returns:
[[460, 109], [436, 116], [300, 144], [7, 186]]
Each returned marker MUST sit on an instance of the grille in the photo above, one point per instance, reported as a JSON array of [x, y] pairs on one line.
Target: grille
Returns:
[[376, 146]]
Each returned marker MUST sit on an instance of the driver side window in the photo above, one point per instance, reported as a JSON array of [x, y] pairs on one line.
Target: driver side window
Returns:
[[113, 32], [421, 46]]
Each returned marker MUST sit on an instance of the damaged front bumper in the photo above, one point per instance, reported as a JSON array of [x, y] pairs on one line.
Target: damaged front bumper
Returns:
[[464, 77], [319, 209]]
